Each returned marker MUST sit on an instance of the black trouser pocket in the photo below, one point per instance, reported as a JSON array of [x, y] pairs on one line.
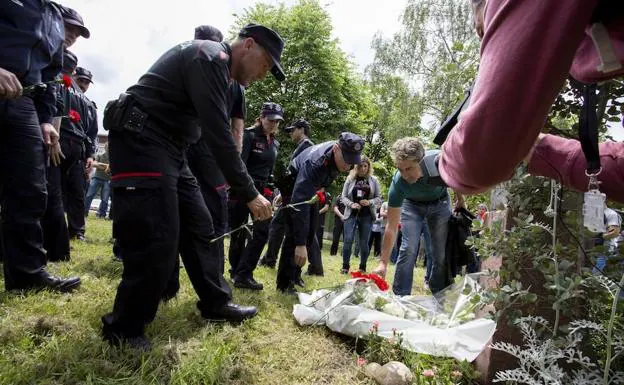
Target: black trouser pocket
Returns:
[[138, 212]]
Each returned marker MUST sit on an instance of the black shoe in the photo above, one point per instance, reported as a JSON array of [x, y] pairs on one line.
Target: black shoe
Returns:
[[288, 291], [230, 312], [247, 283], [299, 282], [79, 237], [62, 258], [46, 281], [140, 343], [344, 271], [362, 269]]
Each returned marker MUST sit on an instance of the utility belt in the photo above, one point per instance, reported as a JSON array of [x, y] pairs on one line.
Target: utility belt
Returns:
[[125, 114], [433, 201]]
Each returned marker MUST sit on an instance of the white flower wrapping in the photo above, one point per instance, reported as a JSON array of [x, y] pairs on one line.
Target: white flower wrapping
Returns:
[[441, 325]]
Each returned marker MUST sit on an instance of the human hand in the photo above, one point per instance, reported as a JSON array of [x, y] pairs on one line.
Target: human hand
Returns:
[[355, 206], [381, 269], [260, 208], [301, 255], [365, 202], [51, 140], [10, 86]]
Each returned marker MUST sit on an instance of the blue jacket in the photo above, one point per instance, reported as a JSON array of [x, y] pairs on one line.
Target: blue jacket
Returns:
[[31, 42], [315, 168]]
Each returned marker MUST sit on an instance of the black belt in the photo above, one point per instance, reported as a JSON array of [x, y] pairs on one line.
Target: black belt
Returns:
[[443, 197]]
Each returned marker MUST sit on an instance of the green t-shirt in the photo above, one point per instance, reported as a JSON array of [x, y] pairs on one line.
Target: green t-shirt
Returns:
[[419, 191], [102, 158]]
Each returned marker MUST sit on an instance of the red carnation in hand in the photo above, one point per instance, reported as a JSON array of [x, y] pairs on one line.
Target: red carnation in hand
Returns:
[[267, 192], [67, 82], [380, 282], [74, 116], [321, 197]]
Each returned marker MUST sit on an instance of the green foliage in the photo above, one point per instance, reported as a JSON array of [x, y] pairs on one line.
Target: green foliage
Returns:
[[321, 83], [436, 50]]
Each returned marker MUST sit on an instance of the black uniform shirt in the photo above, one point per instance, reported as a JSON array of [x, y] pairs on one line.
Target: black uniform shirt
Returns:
[[315, 168], [259, 154], [69, 99], [305, 143], [31, 46], [189, 83]]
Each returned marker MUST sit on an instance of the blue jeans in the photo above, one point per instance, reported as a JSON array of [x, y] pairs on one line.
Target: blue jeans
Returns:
[[363, 225], [95, 185], [428, 250], [413, 217]]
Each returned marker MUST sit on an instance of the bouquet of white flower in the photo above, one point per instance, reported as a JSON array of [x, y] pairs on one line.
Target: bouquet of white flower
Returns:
[[442, 325]]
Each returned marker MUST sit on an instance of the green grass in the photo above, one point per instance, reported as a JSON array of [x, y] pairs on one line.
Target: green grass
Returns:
[[50, 338]]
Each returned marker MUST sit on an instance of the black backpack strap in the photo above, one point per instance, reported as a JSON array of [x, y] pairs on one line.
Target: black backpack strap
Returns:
[[588, 129]]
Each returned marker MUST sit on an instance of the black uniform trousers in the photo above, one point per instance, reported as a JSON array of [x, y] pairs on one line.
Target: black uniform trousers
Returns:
[[315, 263], [320, 230], [276, 237], [287, 270], [159, 210], [238, 215], [55, 234], [251, 254], [73, 182], [337, 232], [22, 192], [215, 194]]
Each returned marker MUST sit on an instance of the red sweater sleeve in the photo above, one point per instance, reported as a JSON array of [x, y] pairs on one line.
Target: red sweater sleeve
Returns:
[[563, 160], [526, 53]]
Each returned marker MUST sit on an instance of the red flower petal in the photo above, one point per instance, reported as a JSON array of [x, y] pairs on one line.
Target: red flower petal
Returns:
[[67, 82], [74, 116], [321, 197]]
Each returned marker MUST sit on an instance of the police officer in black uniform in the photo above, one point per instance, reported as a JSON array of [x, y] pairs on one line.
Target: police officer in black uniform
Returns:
[[78, 139], [204, 166], [55, 233], [31, 37], [259, 154], [314, 168], [84, 78], [159, 208], [298, 132]]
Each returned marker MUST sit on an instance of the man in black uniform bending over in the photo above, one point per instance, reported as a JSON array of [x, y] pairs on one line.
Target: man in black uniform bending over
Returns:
[[205, 169], [158, 205], [314, 168], [259, 154]]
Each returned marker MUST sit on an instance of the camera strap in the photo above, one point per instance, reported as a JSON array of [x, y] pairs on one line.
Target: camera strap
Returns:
[[588, 129]]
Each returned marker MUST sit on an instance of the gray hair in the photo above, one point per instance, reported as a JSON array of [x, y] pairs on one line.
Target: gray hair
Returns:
[[409, 148]]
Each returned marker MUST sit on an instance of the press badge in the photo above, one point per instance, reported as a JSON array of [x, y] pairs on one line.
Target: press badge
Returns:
[[593, 211]]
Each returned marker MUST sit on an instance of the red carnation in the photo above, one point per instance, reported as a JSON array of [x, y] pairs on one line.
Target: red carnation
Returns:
[[74, 116], [67, 82], [321, 197], [380, 282], [267, 192]]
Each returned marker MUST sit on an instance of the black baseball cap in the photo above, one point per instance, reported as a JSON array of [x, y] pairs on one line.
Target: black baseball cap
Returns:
[[301, 123], [351, 146], [272, 111], [83, 73], [70, 61], [271, 41], [208, 32], [70, 16]]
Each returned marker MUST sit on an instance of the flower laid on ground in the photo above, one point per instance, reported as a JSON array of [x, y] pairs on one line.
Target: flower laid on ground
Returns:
[[361, 361], [456, 374], [380, 282], [428, 373]]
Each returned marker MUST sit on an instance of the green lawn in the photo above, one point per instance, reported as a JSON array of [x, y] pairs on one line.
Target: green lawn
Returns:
[[49, 338]]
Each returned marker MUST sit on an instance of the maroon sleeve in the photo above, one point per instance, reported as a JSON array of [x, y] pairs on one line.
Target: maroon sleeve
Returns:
[[526, 53], [563, 160]]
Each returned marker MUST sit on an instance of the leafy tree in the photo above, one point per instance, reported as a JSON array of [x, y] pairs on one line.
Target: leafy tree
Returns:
[[321, 84], [436, 50]]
